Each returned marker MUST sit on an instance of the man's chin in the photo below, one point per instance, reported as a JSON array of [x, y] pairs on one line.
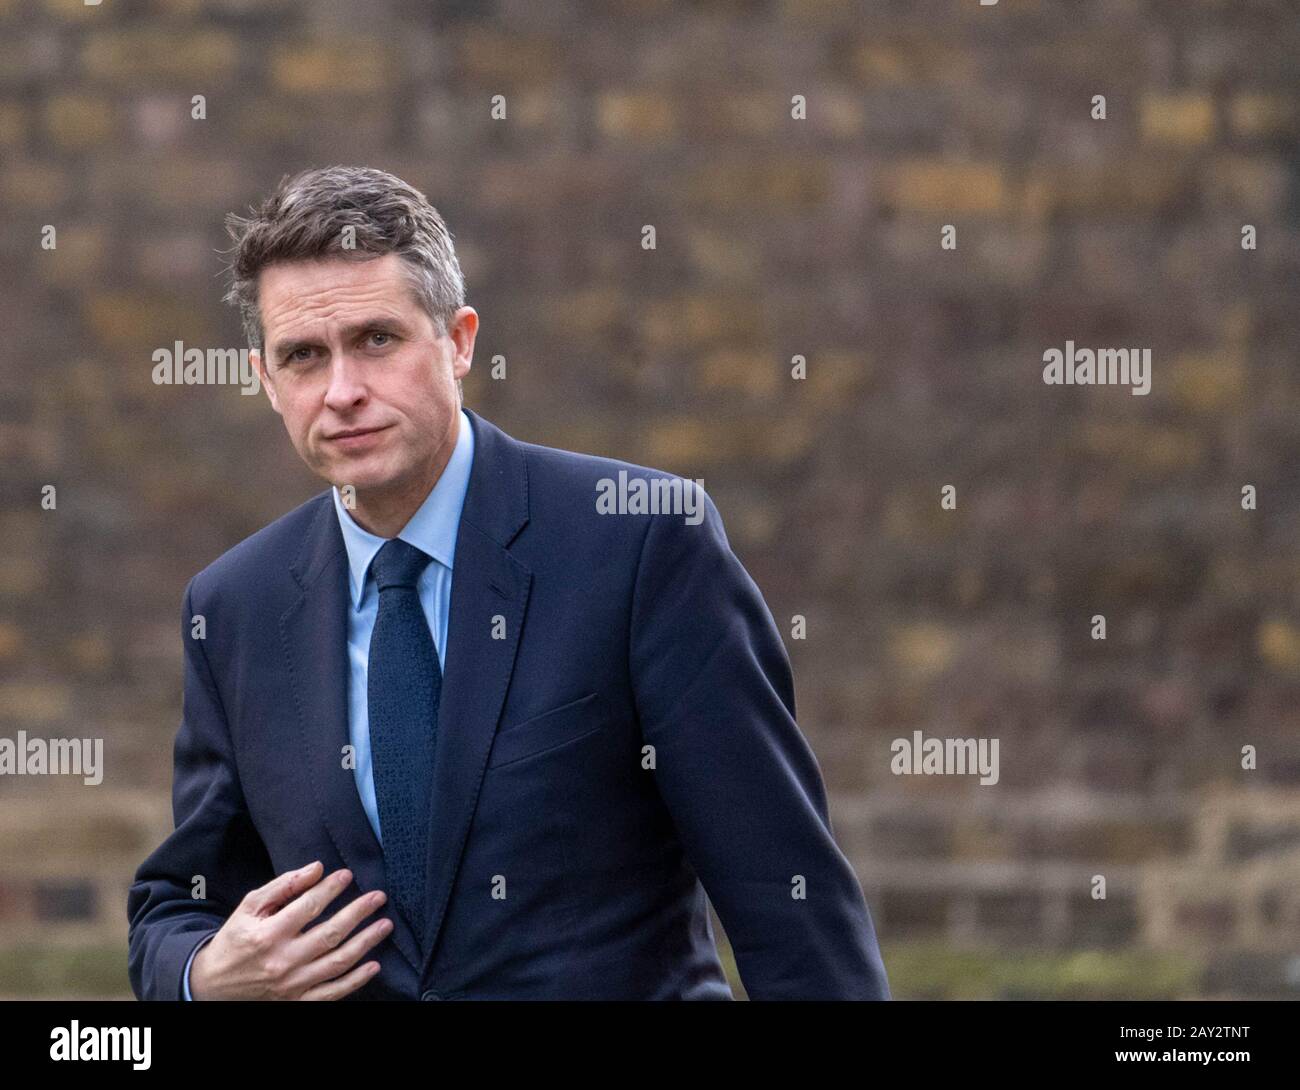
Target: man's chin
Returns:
[[372, 473], [363, 484], [362, 477]]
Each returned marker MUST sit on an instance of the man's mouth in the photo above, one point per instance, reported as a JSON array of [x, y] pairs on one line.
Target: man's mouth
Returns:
[[349, 438]]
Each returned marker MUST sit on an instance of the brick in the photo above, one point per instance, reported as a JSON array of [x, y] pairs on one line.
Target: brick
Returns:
[[834, 377], [37, 57], [76, 122], [837, 114], [1206, 383], [816, 12], [348, 67], [1278, 642], [165, 257], [1253, 185], [719, 256], [685, 441], [1146, 450], [153, 55], [13, 124], [73, 11], [923, 649], [11, 640], [179, 184], [1260, 116], [752, 374], [37, 186], [1100, 189], [784, 182], [635, 117], [81, 251], [751, 523], [923, 59], [687, 445], [1183, 119], [489, 56], [138, 323], [184, 9], [543, 111], [34, 703], [91, 654], [698, 320], [945, 188], [587, 312]]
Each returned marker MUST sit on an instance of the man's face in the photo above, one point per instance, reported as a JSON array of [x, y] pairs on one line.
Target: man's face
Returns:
[[366, 387]]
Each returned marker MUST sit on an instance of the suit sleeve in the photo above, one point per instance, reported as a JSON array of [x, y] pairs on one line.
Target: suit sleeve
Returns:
[[715, 698], [214, 839]]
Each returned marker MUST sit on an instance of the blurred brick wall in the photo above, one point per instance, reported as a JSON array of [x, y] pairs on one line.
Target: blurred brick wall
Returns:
[[775, 237]]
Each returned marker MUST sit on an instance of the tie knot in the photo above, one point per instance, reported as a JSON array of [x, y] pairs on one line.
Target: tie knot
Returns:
[[398, 564]]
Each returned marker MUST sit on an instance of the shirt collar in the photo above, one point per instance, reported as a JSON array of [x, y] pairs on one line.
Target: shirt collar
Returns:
[[432, 528]]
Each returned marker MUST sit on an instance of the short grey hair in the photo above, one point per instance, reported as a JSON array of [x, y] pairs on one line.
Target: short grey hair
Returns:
[[305, 217]]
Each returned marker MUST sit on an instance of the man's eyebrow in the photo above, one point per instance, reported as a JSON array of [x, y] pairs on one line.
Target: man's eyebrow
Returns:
[[280, 349]]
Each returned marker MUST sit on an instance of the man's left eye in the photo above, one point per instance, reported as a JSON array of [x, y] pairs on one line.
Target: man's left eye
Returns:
[[381, 333]]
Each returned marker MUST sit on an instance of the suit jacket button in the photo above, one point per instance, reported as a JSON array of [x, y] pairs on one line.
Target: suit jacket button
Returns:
[[430, 995]]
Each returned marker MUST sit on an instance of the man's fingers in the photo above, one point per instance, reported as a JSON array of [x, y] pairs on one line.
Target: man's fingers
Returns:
[[344, 985], [304, 908], [282, 889], [329, 934], [332, 964]]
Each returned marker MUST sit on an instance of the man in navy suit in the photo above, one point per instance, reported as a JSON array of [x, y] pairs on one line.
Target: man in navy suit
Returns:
[[537, 725]]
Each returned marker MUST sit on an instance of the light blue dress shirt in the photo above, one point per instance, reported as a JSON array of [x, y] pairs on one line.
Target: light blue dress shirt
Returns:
[[432, 529]]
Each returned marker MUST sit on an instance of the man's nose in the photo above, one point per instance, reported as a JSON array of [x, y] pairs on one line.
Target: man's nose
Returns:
[[346, 387]]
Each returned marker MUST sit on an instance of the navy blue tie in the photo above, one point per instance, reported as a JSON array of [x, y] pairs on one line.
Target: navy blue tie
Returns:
[[404, 684]]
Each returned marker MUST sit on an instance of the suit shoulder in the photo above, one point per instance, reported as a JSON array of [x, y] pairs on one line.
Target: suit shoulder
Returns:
[[552, 467], [582, 489]]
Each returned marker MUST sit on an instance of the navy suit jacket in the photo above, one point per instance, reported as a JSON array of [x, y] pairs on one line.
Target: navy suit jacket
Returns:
[[616, 737]]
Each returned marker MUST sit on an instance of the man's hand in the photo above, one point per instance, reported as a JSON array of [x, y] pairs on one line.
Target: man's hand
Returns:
[[260, 952]]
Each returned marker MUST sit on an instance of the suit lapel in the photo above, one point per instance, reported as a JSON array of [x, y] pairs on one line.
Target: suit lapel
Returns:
[[489, 589], [314, 632]]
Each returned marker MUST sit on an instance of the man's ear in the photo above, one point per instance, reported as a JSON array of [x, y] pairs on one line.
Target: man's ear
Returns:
[[255, 354], [462, 332]]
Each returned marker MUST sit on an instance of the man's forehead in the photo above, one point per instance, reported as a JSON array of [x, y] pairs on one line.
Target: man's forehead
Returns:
[[307, 277], [299, 294]]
